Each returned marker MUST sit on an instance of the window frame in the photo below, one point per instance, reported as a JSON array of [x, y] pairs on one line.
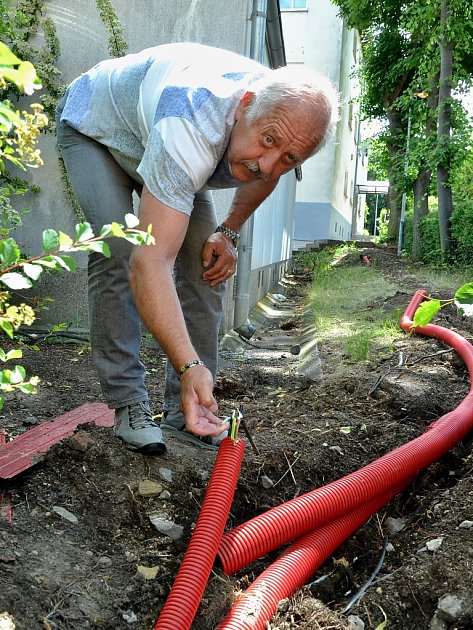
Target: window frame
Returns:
[[292, 8]]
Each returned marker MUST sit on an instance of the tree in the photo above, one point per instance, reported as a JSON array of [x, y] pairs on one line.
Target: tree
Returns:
[[406, 46]]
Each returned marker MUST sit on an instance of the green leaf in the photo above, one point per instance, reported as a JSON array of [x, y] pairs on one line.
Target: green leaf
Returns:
[[7, 58], [7, 328], [426, 312], [83, 232], [384, 623], [64, 262], [131, 220], [9, 116], [106, 231], [48, 261], [98, 246], [65, 240], [9, 251], [3, 356], [16, 281], [17, 375], [345, 430], [50, 240], [32, 271], [68, 262], [27, 388], [464, 295], [27, 78], [117, 230], [13, 354]]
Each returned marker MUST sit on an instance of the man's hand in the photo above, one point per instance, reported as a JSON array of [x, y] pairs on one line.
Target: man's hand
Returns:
[[219, 257], [198, 403]]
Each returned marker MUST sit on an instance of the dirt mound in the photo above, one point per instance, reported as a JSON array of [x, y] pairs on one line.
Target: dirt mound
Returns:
[[81, 550]]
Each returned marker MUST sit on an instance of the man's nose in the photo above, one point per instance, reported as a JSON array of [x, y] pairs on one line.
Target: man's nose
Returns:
[[268, 162]]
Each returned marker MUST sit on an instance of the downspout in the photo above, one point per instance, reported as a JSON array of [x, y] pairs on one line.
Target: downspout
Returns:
[[354, 210], [242, 285]]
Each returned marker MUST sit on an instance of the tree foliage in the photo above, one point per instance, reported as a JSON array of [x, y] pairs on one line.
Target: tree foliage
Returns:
[[402, 46]]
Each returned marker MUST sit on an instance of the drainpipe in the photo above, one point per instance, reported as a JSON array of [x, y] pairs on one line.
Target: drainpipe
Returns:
[[242, 286]]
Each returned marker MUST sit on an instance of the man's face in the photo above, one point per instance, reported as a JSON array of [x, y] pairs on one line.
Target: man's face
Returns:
[[274, 144]]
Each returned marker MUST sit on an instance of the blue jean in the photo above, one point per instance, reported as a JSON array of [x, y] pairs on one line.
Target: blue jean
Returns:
[[104, 191]]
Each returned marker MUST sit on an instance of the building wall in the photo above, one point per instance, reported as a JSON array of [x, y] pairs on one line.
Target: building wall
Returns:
[[317, 37], [84, 42]]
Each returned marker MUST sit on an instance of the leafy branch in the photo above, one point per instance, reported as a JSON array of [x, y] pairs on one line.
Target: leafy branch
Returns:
[[21, 273], [463, 299], [18, 273]]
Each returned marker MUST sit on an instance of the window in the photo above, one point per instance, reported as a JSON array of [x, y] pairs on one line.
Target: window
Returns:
[[292, 4]]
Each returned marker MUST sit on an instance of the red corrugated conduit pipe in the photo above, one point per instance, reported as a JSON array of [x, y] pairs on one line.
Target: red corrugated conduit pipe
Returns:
[[295, 566], [188, 587], [311, 511]]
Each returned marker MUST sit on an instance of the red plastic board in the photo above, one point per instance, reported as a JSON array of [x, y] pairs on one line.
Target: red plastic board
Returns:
[[26, 449]]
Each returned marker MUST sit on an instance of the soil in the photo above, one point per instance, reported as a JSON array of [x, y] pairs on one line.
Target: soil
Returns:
[[57, 574]]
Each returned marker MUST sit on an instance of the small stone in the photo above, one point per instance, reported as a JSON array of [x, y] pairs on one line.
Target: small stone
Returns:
[[6, 621], [433, 545], [395, 525], [130, 617], [283, 605], [149, 488], [165, 495], [204, 475], [266, 482], [295, 350], [69, 516], [30, 420], [390, 548], [450, 607], [466, 525], [105, 561], [149, 573], [81, 441], [356, 623], [166, 474], [130, 556], [436, 623], [165, 526]]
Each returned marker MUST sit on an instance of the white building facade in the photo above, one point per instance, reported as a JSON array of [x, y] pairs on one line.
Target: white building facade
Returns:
[[328, 206]]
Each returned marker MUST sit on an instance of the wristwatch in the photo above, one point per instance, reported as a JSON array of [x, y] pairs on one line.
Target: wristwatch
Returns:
[[229, 232]]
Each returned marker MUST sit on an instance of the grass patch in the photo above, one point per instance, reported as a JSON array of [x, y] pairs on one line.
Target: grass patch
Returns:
[[444, 280], [340, 300]]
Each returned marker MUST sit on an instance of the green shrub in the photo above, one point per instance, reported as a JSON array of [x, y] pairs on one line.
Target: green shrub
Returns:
[[18, 135]]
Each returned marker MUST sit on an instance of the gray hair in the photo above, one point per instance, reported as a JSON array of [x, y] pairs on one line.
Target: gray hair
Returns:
[[298, 83]]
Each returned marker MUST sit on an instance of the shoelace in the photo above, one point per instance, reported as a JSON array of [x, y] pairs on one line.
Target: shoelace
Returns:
[[140, 416]]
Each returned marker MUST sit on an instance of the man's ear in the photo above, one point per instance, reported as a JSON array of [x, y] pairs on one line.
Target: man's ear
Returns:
[[243, 104]]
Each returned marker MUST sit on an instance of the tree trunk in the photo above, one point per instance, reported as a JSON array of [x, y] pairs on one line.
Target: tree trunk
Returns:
[[443, 135], [422, 182], [421, 208], [394, 195]]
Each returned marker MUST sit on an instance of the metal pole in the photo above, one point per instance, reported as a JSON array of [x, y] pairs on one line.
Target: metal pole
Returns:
[[404, 194], [376, 215]]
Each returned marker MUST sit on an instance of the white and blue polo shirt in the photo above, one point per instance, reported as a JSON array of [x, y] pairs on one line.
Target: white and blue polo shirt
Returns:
[[166, 115]]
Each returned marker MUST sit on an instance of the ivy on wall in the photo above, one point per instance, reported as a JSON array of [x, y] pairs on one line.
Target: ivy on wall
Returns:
[[18, 28], [117, 45]]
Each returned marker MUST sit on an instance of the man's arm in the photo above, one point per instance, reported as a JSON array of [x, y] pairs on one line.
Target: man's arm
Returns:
[[245, 201], [157, 302]]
